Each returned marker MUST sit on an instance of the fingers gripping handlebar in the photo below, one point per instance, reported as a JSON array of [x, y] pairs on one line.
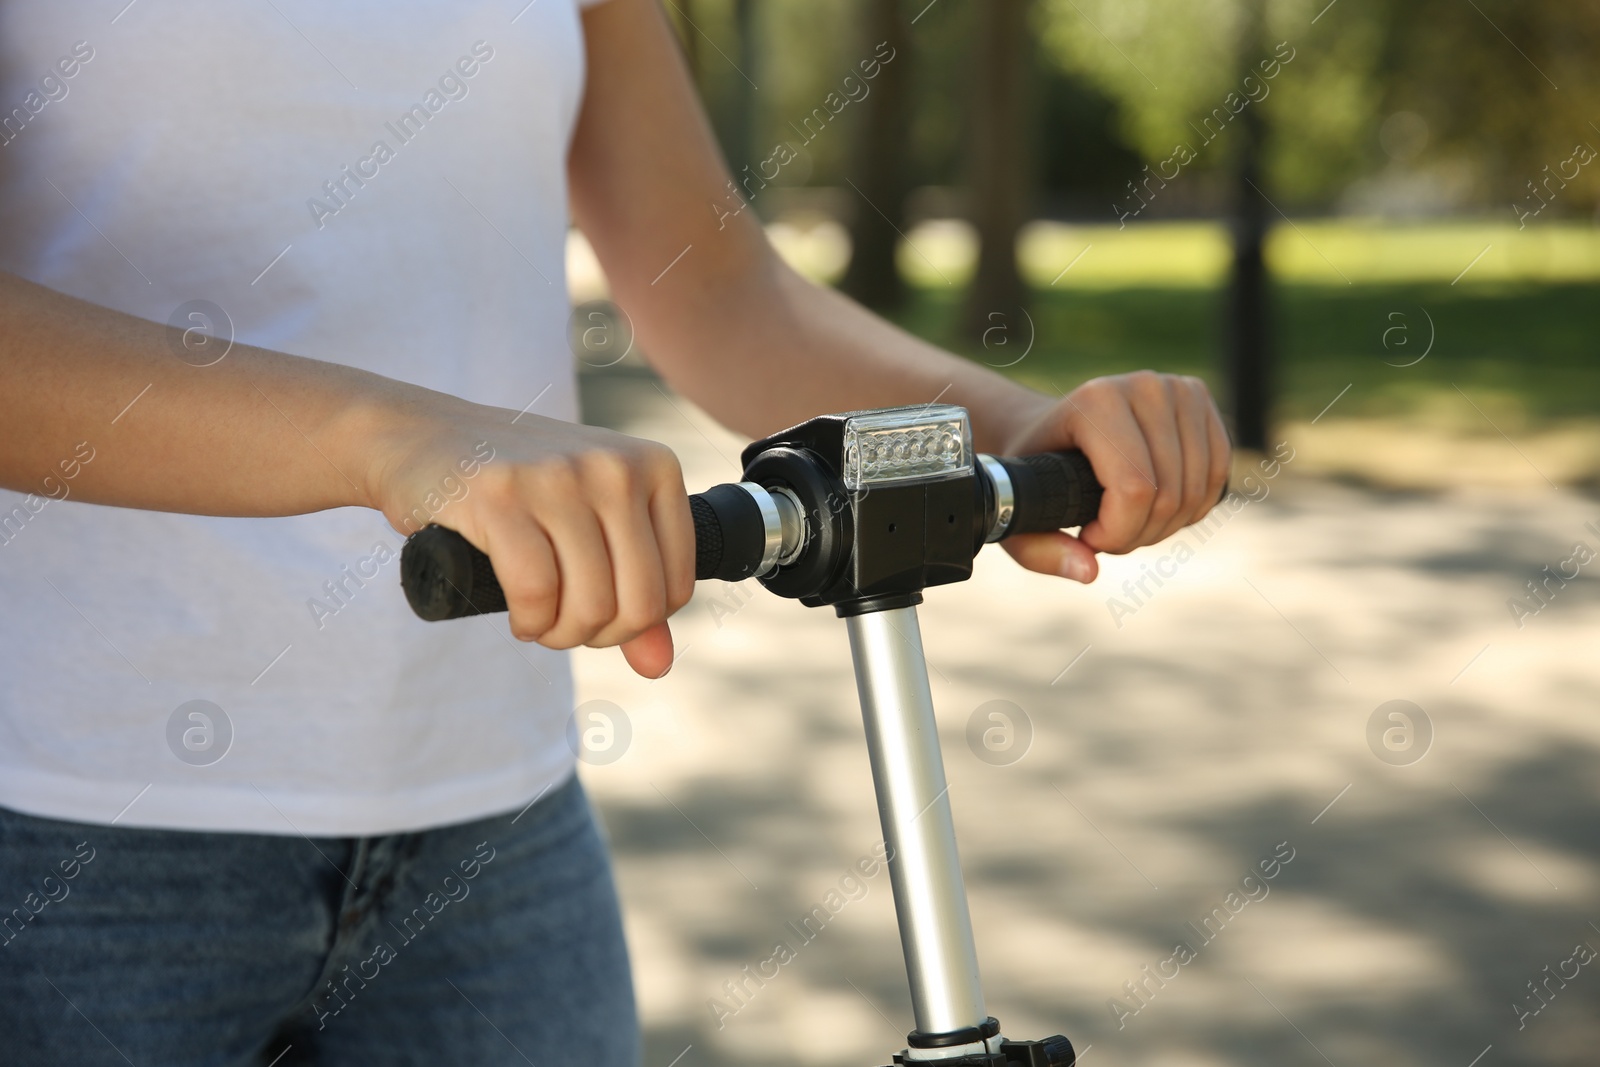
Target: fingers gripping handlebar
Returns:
[[745, 530]]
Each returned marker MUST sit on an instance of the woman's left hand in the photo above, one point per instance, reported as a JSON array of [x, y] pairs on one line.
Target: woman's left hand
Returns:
[[1159, 449]]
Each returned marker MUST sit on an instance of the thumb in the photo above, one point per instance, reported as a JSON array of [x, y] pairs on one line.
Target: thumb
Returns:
[[1059, 554], [650, 654]]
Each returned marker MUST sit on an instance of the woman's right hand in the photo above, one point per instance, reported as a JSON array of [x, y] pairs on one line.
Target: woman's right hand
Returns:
[[589, 530]]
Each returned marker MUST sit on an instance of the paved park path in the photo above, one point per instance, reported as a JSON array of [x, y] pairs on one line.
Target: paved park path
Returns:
[[1149, 755]]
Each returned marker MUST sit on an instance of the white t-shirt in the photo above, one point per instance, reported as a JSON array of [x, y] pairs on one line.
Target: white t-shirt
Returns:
[[378, 183]]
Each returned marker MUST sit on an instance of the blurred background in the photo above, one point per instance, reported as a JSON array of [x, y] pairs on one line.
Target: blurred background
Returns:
[[1371, 226]]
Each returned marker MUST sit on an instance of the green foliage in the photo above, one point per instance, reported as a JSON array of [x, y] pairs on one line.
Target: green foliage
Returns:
[[801, 50], [796, 54], [1172, 63], [804, 51], [1483, 77], [1468, 91], [1324, 114], [1505, 87], [1165, 61]]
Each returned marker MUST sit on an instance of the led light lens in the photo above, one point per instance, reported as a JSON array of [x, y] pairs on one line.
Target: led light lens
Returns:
[[919, 443]]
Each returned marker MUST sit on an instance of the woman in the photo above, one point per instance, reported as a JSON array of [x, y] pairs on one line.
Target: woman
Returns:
[[274, 269]]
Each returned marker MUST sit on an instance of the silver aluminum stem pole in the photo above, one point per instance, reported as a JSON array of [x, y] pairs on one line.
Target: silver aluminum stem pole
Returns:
[[930, 898]]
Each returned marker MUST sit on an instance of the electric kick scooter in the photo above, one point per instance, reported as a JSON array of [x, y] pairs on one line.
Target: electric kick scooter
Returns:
[[861, 512]]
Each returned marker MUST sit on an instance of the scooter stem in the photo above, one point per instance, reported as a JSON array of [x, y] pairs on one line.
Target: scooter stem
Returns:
[[930, 897]]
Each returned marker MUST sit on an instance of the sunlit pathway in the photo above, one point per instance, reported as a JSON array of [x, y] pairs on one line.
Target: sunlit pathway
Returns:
[[1213, 718]]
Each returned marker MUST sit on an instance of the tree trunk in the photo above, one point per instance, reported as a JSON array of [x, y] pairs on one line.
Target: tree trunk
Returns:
[[1247, 360], [1000, 166], [880, 167], [740, 128]]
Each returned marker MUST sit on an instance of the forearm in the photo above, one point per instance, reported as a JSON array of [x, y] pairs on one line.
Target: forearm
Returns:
[[720, 315], [258, 433], [589, 531], [762, 348], [732, 327]]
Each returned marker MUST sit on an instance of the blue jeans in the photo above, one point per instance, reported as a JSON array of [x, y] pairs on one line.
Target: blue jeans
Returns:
[[491, 942]]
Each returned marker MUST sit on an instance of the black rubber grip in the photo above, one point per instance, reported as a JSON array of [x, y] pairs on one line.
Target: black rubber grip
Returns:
[[1052, 491], [445, 577], [707, 537], [730, 535]]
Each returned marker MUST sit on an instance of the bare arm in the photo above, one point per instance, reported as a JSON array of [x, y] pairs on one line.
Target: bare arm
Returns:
[[259, 433], [589, 530], [731, 326]]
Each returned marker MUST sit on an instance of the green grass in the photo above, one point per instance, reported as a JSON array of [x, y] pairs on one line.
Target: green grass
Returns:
[[1523, 352], [1515, 314]]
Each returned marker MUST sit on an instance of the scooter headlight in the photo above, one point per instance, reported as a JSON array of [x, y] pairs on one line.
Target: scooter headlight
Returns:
[[924, 442]]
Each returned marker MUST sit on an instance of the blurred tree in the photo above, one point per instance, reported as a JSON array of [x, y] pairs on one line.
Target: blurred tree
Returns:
[[1482, 77], [735, 117], [1164, 62], [1198, 75], [803, 58], [739, 128], [942, 94], [1506, 91], [1082, 157], [721, 45], [1000, 161], [1172, 66], [1429, 106], [881, 163]]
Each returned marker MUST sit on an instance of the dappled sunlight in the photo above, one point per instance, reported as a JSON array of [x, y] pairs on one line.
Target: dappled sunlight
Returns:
[[1322, 251], [1491, 866], [1225, 719], [1419, 453], [1314, 952], [818, 248]]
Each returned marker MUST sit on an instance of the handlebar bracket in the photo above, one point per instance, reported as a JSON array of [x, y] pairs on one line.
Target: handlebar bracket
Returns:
[[878, 543]]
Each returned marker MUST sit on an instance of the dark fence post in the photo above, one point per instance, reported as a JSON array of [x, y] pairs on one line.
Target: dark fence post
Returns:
[[1247, 354]]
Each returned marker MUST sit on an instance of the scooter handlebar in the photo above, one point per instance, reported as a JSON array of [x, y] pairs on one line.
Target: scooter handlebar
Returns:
[[1052, 491], [445, 577]]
